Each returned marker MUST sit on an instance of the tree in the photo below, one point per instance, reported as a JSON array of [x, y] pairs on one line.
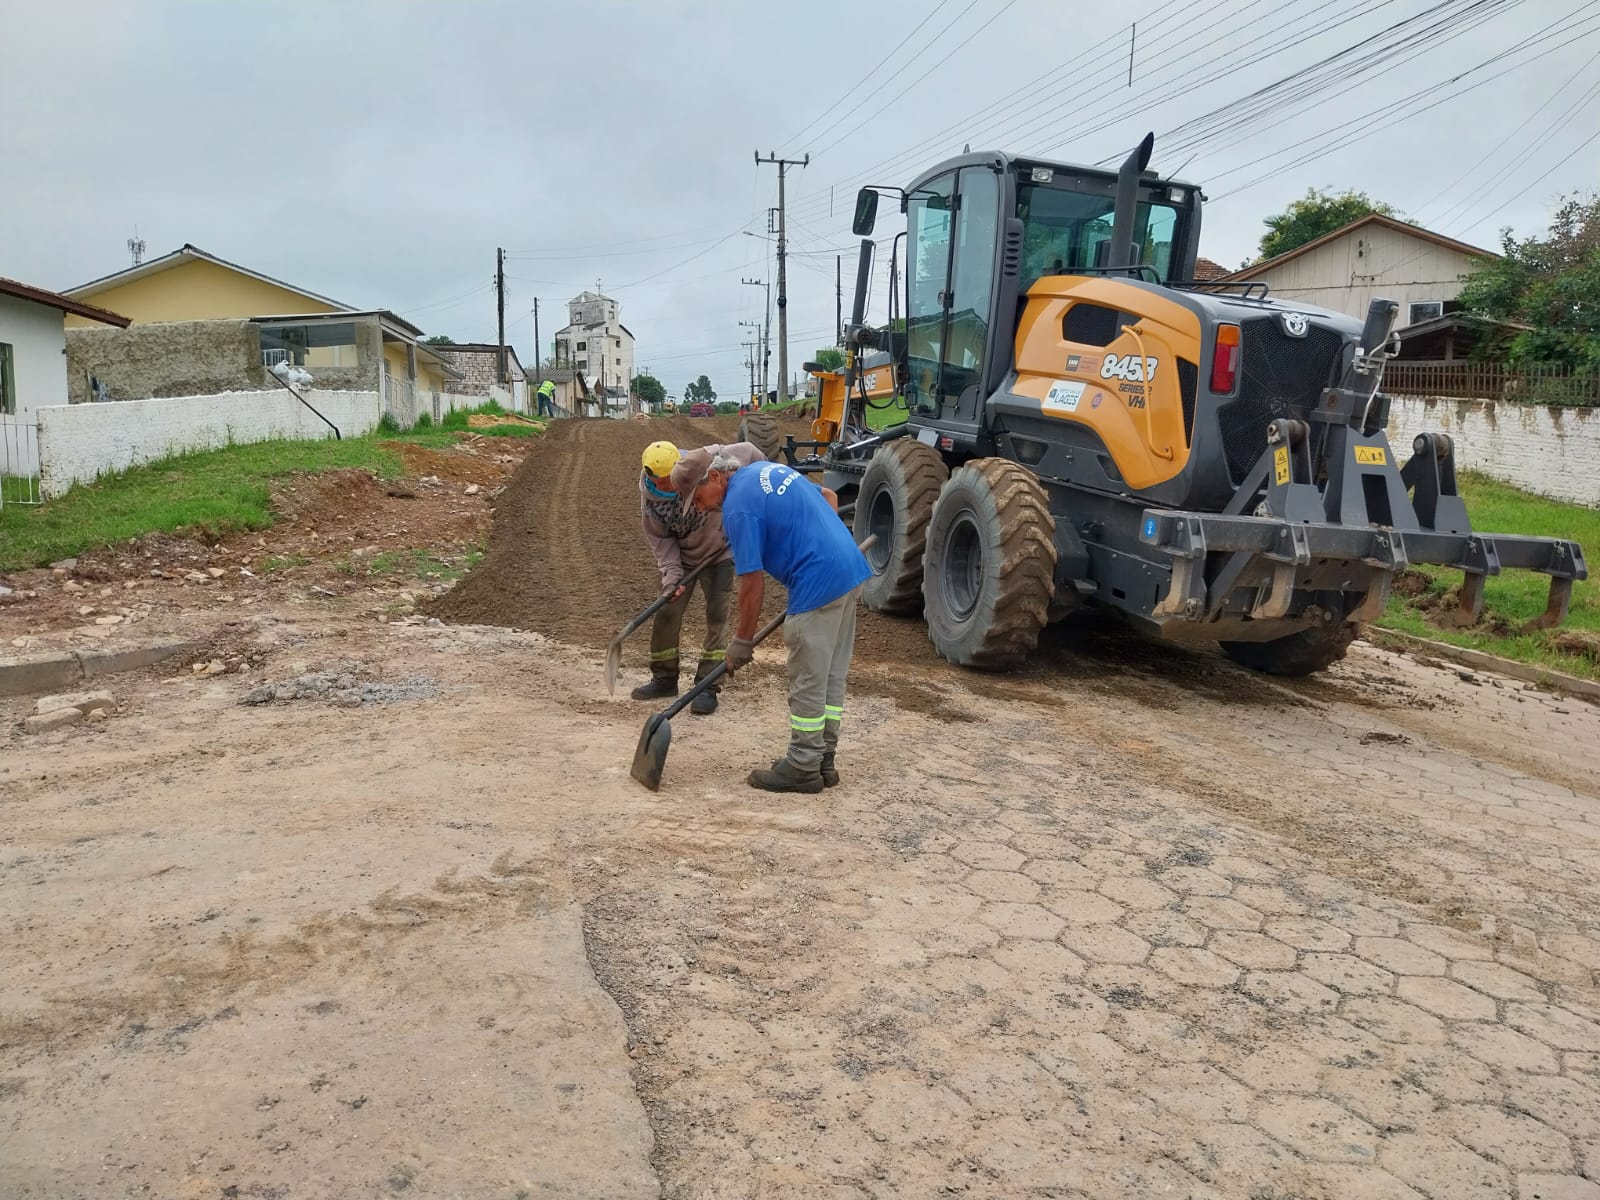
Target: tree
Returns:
[[1551, 283], [1313, 215], [439, 339], [649, 389], [829, 358], [700, 392]]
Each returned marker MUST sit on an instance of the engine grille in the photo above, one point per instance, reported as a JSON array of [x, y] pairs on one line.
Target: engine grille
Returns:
[[1282, 376]]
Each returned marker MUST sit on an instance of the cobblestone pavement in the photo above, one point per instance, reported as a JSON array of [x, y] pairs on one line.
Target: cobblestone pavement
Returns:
[[1119, 927]]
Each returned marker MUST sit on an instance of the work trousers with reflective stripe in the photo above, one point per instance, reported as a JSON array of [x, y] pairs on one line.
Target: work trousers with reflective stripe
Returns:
[[820, 643], [717, 583]]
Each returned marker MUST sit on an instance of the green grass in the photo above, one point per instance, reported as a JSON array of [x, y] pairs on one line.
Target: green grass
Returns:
[[18, 489], [1514, 598], [211, 492]]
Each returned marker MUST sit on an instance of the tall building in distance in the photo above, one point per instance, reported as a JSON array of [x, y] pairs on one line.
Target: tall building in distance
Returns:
[[597, 343]]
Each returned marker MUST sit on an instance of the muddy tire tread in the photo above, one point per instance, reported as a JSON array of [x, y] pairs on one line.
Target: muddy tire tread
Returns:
[[1299, 654], [916, 474]]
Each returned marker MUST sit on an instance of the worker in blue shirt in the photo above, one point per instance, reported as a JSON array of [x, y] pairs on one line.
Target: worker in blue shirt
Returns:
[[777, 522]]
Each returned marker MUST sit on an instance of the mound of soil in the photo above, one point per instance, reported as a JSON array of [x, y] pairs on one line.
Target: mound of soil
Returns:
[[566, 556]]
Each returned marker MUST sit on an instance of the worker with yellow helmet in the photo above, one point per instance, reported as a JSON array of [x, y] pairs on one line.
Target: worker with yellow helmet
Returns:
[[681, 541]]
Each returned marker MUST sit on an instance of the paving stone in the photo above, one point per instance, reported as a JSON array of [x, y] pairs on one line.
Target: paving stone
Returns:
[[1194, 967], [1317, 1128], [1237, 1158], [1346, 973], [988, 856], [1291, 991], [1166, 928], [1160, 1036], [1104, 944], [1138, 893], [1085, 908], [1379, 1094], [1400, 956], [1061, 1009], [1021, 920], [1061, 873], [1307, 933], [1363, 921], [1277, 1068], [1010, 886], [1497, 980], [1543, 1186], [1451, 943], [1029, 959], [1444, 998], [1582, 950], [1505, 1048], [1443, 1168], [1446, 1072], [1361, 1183], [1393, 1020], [1561, 1103], [1557, 1027], [1195, 881], [1219, 912], [1113, 862], [975, 975], [1002, 1084], [1509, 1138], [1254, 950]]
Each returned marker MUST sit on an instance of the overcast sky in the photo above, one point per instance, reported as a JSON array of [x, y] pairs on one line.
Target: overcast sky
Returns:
[[379, 152]]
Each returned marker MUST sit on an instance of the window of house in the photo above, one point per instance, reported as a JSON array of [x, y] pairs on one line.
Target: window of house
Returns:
[[1426, 311], [583, 364], [583, 345], [8, 383]]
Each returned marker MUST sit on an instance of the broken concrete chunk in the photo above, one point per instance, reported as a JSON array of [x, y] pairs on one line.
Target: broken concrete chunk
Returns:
[[59, 719], [82, 701], [473, 489], [72, 585], [215, 572], [111, 619]]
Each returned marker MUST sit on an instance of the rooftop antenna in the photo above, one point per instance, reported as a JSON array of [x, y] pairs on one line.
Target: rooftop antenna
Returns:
[[136, 247]]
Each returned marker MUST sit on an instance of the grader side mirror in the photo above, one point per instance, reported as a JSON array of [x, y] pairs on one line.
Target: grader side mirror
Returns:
[[866, 212]]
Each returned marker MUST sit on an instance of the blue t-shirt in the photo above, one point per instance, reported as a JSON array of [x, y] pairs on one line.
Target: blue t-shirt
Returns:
[[779, 523]]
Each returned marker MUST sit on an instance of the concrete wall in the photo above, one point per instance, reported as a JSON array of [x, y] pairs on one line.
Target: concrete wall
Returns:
[[1552, 451], [80, 442], [36, 335], [196, 290], [178, 358]]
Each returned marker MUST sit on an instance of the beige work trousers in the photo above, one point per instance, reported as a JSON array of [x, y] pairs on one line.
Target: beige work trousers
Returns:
[[820, 643]]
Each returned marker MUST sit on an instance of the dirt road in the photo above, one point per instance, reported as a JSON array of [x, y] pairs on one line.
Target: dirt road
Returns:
[[1133, 923]]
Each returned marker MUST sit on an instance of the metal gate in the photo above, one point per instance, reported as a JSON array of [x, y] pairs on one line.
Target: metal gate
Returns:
[[19, 459]]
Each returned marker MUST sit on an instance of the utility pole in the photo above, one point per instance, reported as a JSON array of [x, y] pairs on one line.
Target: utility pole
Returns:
[[750, 349], [783, 289], [500, 304], [766, 330], [538, 349], [838, 298]]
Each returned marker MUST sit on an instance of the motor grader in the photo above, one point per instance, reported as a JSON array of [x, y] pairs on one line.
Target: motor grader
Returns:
[[1085, 426]]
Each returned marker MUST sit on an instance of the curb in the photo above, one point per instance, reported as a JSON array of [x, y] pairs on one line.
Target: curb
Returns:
[[60, 670], [1387, 639]]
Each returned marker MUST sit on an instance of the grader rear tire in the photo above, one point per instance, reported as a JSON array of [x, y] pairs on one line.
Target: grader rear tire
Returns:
[[760, 429], [989, 571], [1299, 654], [895, 502]]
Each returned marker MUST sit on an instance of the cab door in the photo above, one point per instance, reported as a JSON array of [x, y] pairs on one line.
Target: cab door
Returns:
[[953, 225]]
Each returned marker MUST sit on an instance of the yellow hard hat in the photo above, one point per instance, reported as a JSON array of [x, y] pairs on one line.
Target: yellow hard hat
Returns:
[[659, 458]]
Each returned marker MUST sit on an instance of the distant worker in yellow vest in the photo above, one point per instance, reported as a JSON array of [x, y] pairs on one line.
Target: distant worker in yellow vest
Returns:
[[547, 391]]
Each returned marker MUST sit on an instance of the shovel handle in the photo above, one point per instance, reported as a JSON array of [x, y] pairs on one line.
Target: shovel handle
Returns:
[[716, 672], [655, 605], [721, 669]]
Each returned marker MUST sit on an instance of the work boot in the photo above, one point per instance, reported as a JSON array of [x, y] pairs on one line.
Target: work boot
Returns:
[[660, 687], [830, 774], [784, 776], [704, 704]]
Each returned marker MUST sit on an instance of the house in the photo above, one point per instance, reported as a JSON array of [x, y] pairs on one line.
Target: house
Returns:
[[1370, 257], [204, 325], [1456, 336], [1205, 270], [479, 364], [33, 364], [596, 343]]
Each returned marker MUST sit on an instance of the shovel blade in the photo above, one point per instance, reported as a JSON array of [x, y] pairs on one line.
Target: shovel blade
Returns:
[[613, 665], [650, 758]]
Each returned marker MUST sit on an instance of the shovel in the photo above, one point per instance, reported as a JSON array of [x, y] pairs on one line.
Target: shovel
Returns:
[[650, 758], [614, 650], [655, 739]]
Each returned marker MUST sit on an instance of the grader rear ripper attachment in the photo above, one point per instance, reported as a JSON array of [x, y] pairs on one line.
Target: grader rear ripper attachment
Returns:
[[1083, 426]]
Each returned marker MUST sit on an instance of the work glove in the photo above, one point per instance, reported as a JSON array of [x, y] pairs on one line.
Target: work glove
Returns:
[[740, 652]]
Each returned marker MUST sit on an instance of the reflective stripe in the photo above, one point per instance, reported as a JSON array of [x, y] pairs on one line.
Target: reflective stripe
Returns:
[[806, 724], [664, 655], [833, 712], [713, 655]]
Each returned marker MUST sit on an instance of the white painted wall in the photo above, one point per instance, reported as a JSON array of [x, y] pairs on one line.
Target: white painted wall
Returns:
[[1552, 451], [80, 442], [36, 334], [1348, 272]]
